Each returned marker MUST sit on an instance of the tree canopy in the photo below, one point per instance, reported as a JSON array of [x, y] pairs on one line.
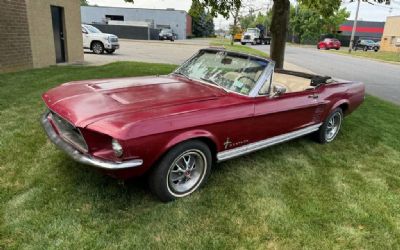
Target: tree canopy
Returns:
[[308, 25], [84, 3], [202, 20]]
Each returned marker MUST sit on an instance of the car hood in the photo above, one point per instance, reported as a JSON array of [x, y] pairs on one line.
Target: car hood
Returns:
[[85, 102]]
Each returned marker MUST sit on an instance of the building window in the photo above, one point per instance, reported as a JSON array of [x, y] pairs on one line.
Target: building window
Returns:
[[115, 18]]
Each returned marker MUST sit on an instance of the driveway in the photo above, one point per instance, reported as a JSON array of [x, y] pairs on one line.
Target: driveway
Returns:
[[381, 79], [149, 51]]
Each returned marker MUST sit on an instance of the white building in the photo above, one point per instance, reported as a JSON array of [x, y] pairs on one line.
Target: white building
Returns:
[[177, 20]]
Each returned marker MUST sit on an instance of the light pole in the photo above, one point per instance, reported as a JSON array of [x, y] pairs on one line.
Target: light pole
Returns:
[[354, 27]]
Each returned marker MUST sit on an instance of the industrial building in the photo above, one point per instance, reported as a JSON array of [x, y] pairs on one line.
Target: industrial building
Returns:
[[39, 33], [155, 19], [391, 35], [364, 30]]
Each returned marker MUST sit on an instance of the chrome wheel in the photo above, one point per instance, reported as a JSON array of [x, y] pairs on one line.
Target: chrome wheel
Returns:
[[186, 173], [97, 48], [333, 126]]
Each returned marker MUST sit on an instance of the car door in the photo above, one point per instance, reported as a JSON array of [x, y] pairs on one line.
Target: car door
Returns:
[[85, 36], [286, 113]]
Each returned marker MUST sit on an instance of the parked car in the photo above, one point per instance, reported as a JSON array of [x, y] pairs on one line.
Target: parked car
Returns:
[[97, 41], [366, 45], [329, 43], [216, 106], [167, 34]]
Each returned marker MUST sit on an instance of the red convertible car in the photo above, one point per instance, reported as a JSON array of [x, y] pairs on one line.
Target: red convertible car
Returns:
[[216, 106]]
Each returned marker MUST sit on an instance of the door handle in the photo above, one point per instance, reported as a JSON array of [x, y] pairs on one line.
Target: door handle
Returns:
[[313, 96]]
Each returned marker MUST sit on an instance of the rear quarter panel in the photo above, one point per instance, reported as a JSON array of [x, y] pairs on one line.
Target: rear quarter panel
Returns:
[[348, 95]]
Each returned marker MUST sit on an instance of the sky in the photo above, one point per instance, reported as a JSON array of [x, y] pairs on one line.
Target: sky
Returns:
[[368, 12]]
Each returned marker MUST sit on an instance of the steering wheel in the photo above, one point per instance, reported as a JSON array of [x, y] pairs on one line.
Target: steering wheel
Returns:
[[247, 77]]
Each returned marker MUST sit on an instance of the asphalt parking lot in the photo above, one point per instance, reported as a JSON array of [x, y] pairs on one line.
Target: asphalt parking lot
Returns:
[[149, 51]]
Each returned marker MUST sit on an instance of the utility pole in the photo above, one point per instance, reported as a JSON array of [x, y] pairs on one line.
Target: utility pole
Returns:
[[297, 12], [354, 27]]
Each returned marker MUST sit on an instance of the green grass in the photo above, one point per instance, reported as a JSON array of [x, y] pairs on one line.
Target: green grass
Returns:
[[295, 195], [380, 55], [237, 47]]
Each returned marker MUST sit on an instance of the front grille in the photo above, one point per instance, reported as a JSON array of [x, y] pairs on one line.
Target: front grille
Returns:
[[247, 37], [69, 133], [114, 39]]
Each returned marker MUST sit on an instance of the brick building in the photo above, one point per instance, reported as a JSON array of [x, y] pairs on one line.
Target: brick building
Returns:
[[391, 35], [39, 33]]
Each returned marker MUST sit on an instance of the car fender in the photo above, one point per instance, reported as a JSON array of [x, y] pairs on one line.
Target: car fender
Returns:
[[338, 104], [190, 135]]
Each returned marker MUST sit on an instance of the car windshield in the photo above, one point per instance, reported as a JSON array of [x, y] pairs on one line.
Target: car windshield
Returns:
[[92, 29], [230, 71], [166, 31], [251, 31], [368, 41]]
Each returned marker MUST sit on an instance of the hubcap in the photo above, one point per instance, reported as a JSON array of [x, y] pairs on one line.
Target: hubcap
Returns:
[[97, 48], [333, 126], [186, 172]]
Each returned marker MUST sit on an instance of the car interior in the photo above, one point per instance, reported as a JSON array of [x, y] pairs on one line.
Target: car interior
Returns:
[[293, 81]]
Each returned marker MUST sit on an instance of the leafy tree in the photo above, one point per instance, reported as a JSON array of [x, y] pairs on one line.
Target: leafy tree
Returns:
[[84, 3], [202, 21], [308, 24]]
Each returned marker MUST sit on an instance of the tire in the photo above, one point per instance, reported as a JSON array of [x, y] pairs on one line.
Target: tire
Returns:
[[328, 132], [337, 48], [173, 166], [243, 43], [254, 42], [110, 51], [97, 48], [318, 47], [365, 49]]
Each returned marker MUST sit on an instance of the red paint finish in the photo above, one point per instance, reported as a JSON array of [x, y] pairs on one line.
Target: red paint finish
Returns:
[[150, 115], [362, 29]]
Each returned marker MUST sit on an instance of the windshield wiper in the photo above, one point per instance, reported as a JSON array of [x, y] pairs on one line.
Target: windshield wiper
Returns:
[[181, 74], [209, 81]]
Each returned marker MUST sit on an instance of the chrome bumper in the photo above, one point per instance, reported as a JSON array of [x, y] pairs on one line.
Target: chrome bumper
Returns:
[[80, 157]]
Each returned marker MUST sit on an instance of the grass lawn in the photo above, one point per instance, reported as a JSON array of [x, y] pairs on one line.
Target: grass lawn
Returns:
[[295, 195], [237, 47], [380, 55]]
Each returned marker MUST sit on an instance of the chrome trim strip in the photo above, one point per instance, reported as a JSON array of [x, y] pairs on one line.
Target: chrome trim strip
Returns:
[[239, 151], [83, 158], [265, 76]]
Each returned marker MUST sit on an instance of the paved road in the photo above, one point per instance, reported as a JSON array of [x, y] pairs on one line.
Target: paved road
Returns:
[[381, 79], [149, 51]]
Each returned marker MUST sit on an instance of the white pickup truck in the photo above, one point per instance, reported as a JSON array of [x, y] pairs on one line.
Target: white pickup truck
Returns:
[[97, 41]]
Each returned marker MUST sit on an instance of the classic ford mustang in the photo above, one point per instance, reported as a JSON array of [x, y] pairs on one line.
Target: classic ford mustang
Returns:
[[216, 106]]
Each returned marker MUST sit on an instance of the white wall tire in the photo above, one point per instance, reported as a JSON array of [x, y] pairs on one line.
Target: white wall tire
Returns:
[[182, 171]]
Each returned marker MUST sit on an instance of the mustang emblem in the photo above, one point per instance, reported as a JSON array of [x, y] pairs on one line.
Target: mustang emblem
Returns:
[[227, 143]]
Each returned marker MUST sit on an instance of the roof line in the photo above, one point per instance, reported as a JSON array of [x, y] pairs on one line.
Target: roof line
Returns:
[[112, 7]]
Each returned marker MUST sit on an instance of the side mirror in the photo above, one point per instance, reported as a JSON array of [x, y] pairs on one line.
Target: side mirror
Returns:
[[278, 91], [84, 32]]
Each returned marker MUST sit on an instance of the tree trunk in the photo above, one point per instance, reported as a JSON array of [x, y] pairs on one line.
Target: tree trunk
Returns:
[[235, 24], [279, 28]]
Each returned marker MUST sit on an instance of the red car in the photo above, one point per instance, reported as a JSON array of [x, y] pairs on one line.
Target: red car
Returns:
[[329, 43], [216, 106]]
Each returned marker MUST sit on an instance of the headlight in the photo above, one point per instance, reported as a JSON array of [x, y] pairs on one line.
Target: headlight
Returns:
[[109, 39], [118, 151]]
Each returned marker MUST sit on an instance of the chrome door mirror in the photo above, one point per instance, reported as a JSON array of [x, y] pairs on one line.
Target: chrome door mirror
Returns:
[[278, 90]]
